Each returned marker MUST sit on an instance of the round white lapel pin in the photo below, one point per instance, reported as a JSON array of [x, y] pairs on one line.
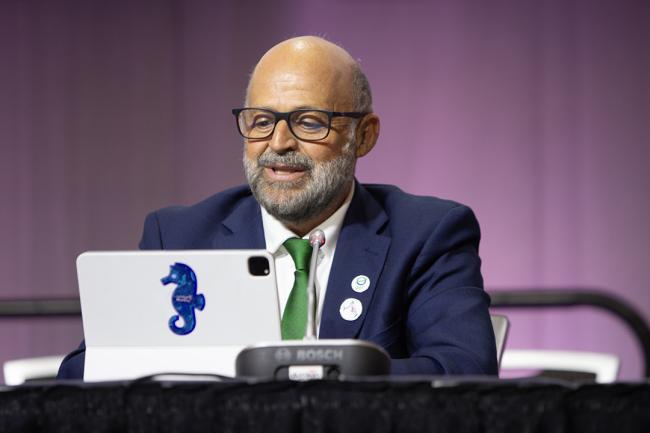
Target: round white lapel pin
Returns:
[[360, 283], [351, 309]]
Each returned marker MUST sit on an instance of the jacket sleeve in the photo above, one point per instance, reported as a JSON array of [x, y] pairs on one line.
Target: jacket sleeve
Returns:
[[448, 327], [72, 366]]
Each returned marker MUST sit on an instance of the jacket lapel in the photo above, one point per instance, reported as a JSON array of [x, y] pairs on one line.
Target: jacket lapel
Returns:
[[360, 251], [242, 229]]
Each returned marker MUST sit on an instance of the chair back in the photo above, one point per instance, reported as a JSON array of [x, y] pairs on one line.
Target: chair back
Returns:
[[500, 325], [19, 371]]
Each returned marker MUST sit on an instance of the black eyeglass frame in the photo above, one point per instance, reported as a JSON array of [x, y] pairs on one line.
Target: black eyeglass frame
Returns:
[[287, 115]]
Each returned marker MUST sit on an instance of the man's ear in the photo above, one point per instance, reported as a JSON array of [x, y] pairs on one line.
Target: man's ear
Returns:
[[367, 134]]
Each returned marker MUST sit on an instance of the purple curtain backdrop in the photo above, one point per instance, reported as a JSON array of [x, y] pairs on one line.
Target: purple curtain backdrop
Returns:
[[536, 114]]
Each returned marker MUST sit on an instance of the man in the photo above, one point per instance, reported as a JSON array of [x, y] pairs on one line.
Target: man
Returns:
[[397, 270]]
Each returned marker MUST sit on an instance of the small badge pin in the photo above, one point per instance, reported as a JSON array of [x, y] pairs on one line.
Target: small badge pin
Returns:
[[351, 309], [360, 283]]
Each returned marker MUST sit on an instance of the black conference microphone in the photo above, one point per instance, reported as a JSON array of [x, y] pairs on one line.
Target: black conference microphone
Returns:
[[312, 358]]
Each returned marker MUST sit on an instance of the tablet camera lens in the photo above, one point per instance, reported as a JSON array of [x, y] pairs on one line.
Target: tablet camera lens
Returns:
[[258, 266]]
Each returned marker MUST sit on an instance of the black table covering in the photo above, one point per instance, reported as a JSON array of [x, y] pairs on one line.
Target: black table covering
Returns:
[[322, 406]]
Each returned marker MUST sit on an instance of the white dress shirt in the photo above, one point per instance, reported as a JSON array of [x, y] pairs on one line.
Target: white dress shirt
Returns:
[[275, 233]]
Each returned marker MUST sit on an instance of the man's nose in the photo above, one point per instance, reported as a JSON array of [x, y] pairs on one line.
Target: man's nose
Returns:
[[282, 138]]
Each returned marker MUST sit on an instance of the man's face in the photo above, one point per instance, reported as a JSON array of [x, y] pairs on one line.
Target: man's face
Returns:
[[297, 180]]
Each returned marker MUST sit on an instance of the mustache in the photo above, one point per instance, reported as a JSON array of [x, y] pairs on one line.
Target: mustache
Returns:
[[294, 160]]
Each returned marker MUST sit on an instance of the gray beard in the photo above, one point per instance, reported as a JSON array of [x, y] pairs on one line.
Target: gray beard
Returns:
[[305, 198]]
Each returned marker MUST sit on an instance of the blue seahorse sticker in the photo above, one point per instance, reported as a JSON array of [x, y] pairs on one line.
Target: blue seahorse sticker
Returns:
[[184, 299]]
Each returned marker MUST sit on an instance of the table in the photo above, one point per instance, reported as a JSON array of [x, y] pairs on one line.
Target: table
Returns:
[[420, 405]]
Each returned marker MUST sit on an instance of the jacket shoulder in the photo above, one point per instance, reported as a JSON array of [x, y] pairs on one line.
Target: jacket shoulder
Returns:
[[213, 207], [416, 217], [194, 226], [397, 203]]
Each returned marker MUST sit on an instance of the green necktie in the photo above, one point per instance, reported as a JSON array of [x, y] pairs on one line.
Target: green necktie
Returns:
[[294, 319]]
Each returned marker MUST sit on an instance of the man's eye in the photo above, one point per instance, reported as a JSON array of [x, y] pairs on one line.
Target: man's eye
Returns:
[[262, 122], [310, 123]]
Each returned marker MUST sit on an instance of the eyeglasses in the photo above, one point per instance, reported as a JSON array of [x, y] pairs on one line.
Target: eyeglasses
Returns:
[[307, 125]]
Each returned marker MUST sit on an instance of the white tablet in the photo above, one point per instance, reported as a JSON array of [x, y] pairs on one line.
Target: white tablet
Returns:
[[150, 312]]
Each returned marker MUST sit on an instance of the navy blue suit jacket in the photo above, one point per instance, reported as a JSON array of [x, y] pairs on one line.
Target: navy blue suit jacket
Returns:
[[425, 305]]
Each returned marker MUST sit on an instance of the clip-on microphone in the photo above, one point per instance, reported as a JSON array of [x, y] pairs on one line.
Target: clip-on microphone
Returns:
[[311, 358]]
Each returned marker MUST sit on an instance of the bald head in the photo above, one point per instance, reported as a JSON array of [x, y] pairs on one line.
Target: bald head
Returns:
[[333, 72], [308, 48]]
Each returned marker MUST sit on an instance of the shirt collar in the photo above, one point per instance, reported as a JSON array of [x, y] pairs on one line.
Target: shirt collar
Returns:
[[275, 233]]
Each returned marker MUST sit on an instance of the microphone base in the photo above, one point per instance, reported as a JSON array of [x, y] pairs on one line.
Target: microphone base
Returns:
[[309, 360]]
